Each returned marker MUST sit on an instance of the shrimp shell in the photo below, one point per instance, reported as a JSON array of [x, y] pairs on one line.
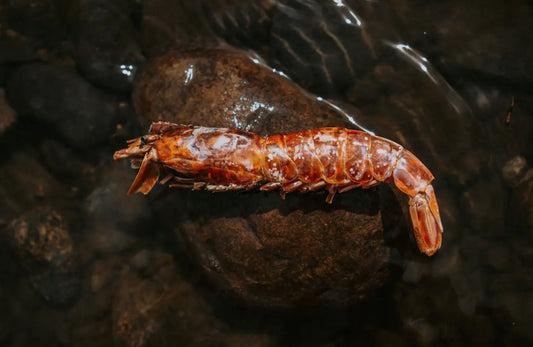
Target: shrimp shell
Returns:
[[335, 159]]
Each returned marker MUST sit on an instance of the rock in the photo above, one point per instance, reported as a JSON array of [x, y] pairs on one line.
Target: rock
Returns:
[[243, 24], [8, 116], [15, 49], [5, 321], [427, 117], [26, 184], [89, 320], [113, 218], [58, 96], [227, 88], [457, 35], [278, 253], [520, 209], [320, 45], [41, 241], [504, 117], [514, 170], [482, 213], [39, 20], [107, 52], [105, 272], [174, 23], [109, 204], [67, 164], [157, 306]]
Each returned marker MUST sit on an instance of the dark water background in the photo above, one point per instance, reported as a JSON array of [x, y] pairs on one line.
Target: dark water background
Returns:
[[449, 80]]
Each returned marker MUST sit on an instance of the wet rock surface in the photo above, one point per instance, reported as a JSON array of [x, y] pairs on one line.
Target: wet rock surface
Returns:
[[226, 87], [448, 80], [321, 46]]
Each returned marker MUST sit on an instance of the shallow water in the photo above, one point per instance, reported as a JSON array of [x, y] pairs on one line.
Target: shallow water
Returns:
[[450, 81]]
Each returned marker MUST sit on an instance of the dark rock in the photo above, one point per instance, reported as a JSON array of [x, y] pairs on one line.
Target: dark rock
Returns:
[[16, 49], [109, 205], [482, 213], [520, 209], [41, 241], [8, 116], [389, 338], [418, 109], [279, 253], [160, 308], [104, 272], [67, 164], [504, 115], [320, 44], [242, 24], [102, 239], [113, 218], [107, 51], [5, 321], [495, 49], [174, 23], [227, 88], [89, 320], [39, 20], [514, 170], [57, 95], [26, 184], [457, 34]]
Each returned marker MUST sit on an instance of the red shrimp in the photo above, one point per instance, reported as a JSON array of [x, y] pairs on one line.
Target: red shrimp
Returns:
[[335, 159]]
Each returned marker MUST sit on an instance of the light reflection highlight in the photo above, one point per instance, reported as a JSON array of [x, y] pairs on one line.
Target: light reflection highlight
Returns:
[[348, 116], [422, 63], [347, 14], [189, 74], [127, 70]]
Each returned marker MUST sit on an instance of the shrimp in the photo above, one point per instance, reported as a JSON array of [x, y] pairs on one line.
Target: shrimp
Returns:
[[335, 159]]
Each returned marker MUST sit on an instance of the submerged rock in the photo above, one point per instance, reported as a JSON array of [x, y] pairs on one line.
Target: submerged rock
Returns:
[[58, 96], [227, 87], [320, 44], [41, 241], [8, 116], [154, 304], [107, 51]]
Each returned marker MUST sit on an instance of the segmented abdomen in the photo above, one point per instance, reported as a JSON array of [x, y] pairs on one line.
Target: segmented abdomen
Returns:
[[337, 156]]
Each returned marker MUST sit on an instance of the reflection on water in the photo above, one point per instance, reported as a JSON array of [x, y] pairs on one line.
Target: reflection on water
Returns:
[[83, 264]]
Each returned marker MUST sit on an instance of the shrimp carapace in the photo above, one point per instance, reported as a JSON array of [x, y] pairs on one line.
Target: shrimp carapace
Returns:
[[335, 159]]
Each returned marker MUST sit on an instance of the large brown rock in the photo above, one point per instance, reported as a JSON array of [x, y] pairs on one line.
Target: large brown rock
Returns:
[[226, 87], [262, 249]]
